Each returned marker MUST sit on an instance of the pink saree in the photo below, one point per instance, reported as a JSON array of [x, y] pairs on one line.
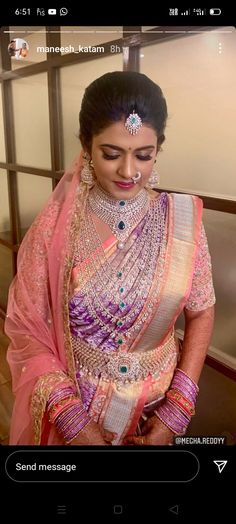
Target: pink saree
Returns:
[[47, 347]]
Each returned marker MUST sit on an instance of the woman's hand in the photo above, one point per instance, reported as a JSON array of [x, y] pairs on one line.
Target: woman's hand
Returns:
[[154, 433], [93, 435]]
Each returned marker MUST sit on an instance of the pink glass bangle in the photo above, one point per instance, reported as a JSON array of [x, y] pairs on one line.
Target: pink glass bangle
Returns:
[[187, 377], [59, 394], [185, 385], [59, 408], [71, 421], [72, 435], [168, 426], [173, 417]]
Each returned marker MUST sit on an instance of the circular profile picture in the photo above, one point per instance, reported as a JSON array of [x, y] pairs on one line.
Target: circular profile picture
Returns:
[[18, 48]]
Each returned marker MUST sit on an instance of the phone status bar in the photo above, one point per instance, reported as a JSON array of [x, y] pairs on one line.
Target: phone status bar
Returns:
[[66, 15]]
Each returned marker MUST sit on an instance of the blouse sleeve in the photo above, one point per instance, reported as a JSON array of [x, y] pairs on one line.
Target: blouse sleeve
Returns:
[[202, 293]]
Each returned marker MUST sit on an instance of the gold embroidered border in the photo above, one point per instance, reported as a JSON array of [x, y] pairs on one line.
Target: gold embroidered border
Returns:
[[73, 233], [155, 291]]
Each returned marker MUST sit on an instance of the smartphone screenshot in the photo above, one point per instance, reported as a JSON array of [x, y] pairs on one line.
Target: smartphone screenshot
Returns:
[[117, 264]]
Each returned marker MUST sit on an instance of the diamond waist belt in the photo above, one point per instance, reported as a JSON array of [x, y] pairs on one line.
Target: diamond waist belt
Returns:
[[124, 367]]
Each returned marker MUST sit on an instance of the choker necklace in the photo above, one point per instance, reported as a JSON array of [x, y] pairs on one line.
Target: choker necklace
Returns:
[[122, 216]]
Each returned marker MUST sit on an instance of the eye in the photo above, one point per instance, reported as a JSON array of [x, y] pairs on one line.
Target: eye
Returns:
[[147, 157], [109, 157]]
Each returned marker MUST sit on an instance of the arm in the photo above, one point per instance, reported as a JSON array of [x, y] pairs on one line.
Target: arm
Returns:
[[197, 335], [198, 331], [66, 411]]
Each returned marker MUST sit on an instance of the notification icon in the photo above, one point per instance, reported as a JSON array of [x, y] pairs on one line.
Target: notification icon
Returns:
[[63, 11]]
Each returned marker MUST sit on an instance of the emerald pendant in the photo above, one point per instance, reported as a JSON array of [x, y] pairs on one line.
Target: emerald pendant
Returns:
[[121, 225]]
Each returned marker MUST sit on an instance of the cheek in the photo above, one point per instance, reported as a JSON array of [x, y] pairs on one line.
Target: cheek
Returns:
[[104, 169], [146, 171]]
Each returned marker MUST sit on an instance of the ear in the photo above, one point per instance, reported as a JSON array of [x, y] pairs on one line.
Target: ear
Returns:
[[86, 149]]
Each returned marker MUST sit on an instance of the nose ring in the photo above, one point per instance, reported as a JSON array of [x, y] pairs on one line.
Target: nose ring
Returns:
[[137, 177]]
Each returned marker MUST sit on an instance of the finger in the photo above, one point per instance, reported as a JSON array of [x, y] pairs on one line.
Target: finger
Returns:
[[108, 440], [136, 441], [108, 435]]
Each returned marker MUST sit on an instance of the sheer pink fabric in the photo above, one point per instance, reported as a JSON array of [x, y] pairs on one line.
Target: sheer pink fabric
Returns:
[[34, 320]]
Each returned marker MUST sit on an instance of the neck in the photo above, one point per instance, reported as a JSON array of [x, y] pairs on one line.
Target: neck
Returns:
[[97, 188]]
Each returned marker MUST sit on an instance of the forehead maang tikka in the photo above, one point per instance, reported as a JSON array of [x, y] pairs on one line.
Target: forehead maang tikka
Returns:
[[133, 123]]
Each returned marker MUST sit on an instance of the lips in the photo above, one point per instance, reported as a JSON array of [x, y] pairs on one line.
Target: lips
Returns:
[[123, 184]]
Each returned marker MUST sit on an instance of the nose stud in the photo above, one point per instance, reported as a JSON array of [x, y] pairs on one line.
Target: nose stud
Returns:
[[137, 177]]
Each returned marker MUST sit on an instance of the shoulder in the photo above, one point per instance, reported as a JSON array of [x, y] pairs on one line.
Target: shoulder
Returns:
[[155, 195]]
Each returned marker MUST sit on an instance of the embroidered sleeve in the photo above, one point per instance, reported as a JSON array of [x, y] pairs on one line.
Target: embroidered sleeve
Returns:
[[202, 293]]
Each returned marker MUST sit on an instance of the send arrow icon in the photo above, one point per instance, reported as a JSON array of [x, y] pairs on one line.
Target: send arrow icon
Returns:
[[220, 464]]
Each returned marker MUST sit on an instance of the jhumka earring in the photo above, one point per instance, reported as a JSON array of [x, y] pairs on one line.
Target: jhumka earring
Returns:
[[154, 180], [87, 173]]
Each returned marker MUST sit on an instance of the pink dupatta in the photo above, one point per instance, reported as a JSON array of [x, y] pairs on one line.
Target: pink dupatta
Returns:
[[37, 322]]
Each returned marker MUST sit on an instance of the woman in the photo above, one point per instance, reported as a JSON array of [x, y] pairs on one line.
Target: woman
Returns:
[[103, 273]]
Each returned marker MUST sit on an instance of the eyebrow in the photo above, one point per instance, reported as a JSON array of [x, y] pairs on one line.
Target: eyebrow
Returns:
[[121, 149]]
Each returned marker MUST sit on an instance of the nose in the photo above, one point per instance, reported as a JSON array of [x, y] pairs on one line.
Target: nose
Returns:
[[127, 168]]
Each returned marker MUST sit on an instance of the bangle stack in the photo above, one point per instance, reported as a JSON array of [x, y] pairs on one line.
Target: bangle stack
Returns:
[[185, 385], [71, 421], [57, 401], [179, 405], [67, 412]]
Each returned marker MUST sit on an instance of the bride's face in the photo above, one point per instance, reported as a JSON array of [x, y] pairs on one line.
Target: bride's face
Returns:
[[118, 156]]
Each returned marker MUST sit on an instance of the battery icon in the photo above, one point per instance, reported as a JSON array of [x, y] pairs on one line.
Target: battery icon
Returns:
[[215, 11]]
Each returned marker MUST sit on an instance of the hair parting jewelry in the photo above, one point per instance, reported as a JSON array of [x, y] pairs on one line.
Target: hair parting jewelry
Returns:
[[133, 123]]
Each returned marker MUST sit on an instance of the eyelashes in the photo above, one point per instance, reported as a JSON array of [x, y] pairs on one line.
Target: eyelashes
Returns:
[[147, 157], [110, 157], [114, 157]]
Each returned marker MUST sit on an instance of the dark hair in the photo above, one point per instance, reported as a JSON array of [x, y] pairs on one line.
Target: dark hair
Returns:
[[11, 49], [113, 96]]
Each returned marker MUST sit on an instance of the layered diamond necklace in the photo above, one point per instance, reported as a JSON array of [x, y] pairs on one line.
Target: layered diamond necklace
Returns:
[[113, 290], [121, 215]]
